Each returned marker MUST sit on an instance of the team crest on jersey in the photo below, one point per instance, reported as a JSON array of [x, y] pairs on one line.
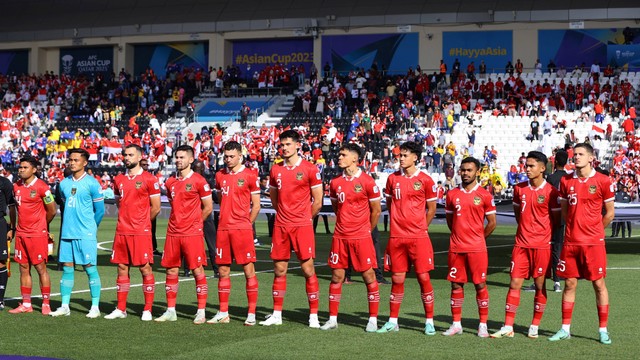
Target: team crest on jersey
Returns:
[[541, 199], [358, 188], [417, 185], [189, 187], [240, 182], [299, 176], [138, 184], [476, 200], [592, 189], [33, 193], [73, 191]]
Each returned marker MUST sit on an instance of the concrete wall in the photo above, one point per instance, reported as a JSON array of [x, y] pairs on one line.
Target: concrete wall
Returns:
[[44, 55]]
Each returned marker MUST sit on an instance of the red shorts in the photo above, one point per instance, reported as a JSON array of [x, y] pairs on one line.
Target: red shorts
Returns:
[[359, 253], [301, 238], [236, 244], [527, 262], [402, 252], [191, 248], [583, 262], [475, 263], [135, 250], [31, 250]]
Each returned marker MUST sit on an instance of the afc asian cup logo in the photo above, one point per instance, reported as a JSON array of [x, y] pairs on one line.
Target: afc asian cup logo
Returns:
[[67, 63]]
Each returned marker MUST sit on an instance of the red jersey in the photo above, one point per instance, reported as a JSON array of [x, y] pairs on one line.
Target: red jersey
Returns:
[[353, 195], [585, 199], [408, 196], [186, 195], [294, 186], [536, 205], [469, 209], [32, 215], [134, 192], [235, 190]]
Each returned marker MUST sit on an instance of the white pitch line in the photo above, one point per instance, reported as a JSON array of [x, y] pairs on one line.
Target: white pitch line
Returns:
[[161, 282], [104, 242]]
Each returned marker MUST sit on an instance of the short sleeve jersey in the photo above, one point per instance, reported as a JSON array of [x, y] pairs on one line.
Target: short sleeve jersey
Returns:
[[32, 214], [469, 209], [353, 195], [294, 186], [186, 195], [79, 195], [536, 206], [235, 190], [585, 199], [134, 192], [408, 197]]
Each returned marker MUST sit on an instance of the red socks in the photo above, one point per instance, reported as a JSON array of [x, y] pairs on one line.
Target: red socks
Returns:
[[279, 289], [224, 290], [122, 284], [457, 299], [567, 311], [335, 293], [252, 293], [313, 292], [46, 294], [26, 294], [202, 289], [603, 315], [171, 287], [426, 293], [373, 296], [395, 300], [539, 304], [513, 301], [148, 289], [482, 297]]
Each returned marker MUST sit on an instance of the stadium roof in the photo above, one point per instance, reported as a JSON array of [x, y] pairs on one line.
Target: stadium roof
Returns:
[[59, 19]]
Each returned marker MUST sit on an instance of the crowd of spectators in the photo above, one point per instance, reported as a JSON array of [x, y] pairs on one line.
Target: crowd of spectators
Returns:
[[48, 114]]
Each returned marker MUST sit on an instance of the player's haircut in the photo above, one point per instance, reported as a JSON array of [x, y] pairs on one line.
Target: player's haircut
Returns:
[[186, 148], [84, 153], [471, 159], [354, 148], [290, 134], [538, 156], [585, 146], [264, 177], [233, 145], [412, 147], [197, 165], [561, 158], [31, 160], [135, 146]]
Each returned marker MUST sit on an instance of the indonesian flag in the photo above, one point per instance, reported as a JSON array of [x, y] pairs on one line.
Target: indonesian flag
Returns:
[[113, 147], [597, 129]]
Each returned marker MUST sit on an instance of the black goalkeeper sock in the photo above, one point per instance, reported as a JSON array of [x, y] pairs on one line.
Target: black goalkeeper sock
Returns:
[[4, 277]]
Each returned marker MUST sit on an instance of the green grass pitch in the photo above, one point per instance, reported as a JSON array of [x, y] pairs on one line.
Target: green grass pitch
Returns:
[[77, 337]]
